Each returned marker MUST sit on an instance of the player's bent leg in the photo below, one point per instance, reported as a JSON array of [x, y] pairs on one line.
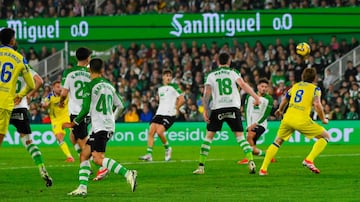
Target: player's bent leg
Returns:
[[244, 145], [64, 147], [103, 171], [160, 130], [270, 154], [204, 152], [318, 147], [150, 143], [36, 155], [117, 168]]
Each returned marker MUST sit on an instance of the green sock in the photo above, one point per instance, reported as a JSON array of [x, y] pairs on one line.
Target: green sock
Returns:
[[35, 154], [84, 173], [261, 153], [166, 145], [204, 151], [33, 150], [114, 166], [245, 147], [149, 150]]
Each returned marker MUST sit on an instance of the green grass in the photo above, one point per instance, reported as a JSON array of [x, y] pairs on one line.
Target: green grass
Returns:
[[224, 180]]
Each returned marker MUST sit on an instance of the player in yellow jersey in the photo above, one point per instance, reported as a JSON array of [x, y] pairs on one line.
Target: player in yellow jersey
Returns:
[[12, 64], [301, 97], [58, 116]]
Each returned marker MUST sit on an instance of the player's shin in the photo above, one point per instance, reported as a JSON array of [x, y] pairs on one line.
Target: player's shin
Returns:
[[318, 147], [32, 149], [245, 146], [114, 166], [270, 153], [204, 151], [84, 173]]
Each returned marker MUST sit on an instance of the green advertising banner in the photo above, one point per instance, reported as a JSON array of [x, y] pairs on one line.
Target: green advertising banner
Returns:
[[186, 25], [192, 133]]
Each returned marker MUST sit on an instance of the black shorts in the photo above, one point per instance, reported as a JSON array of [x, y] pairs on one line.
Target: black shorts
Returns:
[[20, 119], [166, 121], [97, 141], [231, 116], [80, 131], [259, 130]]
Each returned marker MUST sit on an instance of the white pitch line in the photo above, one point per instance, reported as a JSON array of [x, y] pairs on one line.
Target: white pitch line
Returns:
[[164, 162]]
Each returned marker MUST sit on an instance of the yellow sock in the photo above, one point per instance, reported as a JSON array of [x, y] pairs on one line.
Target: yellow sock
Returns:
[[64, 147], [270, 153], [318, 147]]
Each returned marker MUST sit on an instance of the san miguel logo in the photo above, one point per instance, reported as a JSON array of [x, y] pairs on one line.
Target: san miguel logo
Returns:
[[214, 23]]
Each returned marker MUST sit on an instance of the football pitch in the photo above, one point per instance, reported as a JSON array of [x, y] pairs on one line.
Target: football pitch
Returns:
[[224, 179]]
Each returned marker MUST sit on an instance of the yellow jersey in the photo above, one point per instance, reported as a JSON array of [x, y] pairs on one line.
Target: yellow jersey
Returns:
[[301, 97], [12, 64], [57, 113]]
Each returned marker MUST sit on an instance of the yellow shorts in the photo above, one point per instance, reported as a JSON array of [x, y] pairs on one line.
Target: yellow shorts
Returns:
[[5, 115], [308, 127], [57, 125]]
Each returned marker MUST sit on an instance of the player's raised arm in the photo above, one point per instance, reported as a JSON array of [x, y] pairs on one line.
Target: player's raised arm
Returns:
[[248, 89], [284, 102], [318, 106]]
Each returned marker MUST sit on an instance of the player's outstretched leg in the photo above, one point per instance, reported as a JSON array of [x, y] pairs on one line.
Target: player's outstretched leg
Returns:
[[204, 152], [84, 173], [117, 168], [270, 154], [36, 155], [168, 152]]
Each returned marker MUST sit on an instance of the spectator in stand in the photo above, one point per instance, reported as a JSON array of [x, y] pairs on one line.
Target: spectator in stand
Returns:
[[132, 115], [329, 79], [337, 115], [35, 116], [146, 114], [44, 53], [352, 114], [354, 43], [350, 70], [33, 60], [193, 114]]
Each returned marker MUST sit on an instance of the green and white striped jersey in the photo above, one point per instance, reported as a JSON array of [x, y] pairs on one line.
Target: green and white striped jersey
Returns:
[[74, 79], [100, 98], [258, 114], [224, 88]]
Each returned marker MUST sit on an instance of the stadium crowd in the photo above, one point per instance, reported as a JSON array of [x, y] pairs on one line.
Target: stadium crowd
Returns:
[[15, 9], [136, 70]]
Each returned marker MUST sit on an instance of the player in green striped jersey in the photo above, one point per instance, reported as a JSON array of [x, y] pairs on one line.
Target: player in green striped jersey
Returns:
[[256, 117]]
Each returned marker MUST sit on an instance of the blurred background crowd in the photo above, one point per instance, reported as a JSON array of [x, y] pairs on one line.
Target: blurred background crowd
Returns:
[[67, 8], [135, 70]]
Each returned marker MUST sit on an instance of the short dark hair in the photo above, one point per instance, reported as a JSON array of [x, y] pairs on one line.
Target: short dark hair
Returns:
[[309, 74], [83, 53], [263, 80], [167, 71], [224, 58], [96, 65], [6, 35], [55, 82]]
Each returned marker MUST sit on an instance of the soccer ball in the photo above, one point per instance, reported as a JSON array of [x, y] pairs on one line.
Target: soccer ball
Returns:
[[303, 49]]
